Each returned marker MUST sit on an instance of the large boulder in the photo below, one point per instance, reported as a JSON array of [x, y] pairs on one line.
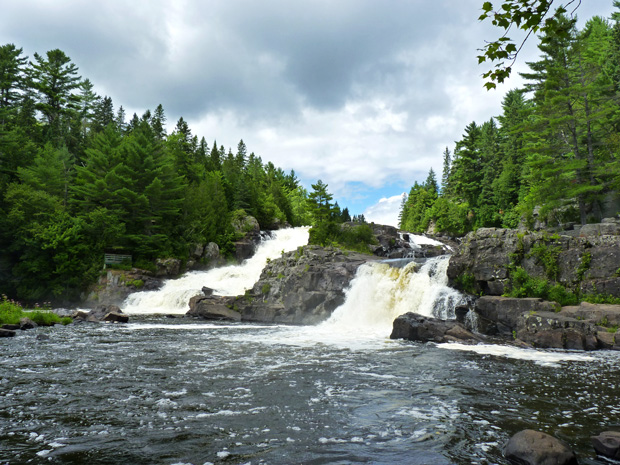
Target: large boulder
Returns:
[[529, 447], [211, 307], [415, 327]]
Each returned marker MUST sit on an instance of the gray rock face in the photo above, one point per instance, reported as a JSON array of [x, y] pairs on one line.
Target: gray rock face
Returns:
[[302, 287], [500, 315], [415, 327], [544, 324], [588, 263], [529, 447], [607, 444]]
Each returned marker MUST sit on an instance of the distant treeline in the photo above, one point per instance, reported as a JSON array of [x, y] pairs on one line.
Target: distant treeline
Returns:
[[78, 179], [556, 145]]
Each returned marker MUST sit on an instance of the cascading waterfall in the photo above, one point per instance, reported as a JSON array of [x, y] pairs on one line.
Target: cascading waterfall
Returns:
[[174, 296], [380, 293]]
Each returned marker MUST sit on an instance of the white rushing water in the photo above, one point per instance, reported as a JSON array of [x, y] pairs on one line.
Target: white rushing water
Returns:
[[380, 293], [174, 296]]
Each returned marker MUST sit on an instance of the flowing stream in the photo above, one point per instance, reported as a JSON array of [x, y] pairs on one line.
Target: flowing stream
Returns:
[[183, 391]]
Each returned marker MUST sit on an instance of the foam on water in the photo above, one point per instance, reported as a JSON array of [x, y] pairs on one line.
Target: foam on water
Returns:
[[541, 357], [174, 296]]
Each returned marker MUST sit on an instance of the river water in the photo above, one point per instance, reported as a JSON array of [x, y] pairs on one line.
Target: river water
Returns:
[[181, 391]]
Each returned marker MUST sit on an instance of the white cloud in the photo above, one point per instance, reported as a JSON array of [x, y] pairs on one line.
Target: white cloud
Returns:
[[385, 211]]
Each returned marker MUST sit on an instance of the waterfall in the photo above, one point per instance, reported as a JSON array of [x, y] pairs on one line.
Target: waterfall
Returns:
[[380, 293], [174, 296]]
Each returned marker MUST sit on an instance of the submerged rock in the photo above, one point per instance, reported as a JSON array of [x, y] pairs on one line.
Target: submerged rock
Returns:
[[607, 444], [6, 332], [415, 327], [529, 447]]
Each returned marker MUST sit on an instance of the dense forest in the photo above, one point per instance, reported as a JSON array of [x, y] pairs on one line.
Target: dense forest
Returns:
[[78, 179], [554, 151]]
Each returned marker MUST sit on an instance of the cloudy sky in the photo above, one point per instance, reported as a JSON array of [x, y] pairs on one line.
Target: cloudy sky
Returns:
[[363, 94]]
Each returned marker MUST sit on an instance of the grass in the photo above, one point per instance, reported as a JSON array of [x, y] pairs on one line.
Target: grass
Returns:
[[11, 313]]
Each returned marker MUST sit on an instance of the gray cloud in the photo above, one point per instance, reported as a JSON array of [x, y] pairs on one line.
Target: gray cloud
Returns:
[[356, 92]]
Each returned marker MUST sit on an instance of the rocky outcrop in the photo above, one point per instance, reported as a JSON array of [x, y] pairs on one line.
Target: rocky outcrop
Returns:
[[529, 447], [545, 324], [114, 286], [301, 287], [585, 264], [415, 327], [392, 243]]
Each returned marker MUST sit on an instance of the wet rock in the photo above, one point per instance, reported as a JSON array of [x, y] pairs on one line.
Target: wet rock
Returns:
[[213, 308], [42, 337], [415, 327], [607, 444], [11, 327], [529, 447], [207, 290], [6, 332], [102, 313], [26, 323]]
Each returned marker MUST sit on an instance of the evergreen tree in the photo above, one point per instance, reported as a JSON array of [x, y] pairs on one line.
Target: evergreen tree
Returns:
[[54, 79]]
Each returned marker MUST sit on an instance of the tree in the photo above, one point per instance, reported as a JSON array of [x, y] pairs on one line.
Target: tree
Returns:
[[158, 122], [54, 79], [319, 202], [530, 16], [445, 175], [12, 66]]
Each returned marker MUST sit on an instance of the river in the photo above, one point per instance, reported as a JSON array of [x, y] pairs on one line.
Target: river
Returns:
[[180, 391]]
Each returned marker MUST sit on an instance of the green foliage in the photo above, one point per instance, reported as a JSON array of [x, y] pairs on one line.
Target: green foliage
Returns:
[[584, 265], [137, 283], [595, 298], [548, 257], [524, 285], [265, 288], [466, 282], [11, 313]]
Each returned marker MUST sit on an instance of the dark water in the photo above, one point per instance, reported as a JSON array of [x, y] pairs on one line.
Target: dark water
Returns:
[[158, 391]]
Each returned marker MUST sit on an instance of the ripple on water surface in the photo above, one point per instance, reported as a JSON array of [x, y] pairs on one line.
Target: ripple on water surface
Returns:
[[173, 391]]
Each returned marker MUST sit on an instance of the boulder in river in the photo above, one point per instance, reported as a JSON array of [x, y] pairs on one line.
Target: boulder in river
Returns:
[[213, 308], [607, 444], [6, 332], [103, 313], [415, 327], [529, 447]]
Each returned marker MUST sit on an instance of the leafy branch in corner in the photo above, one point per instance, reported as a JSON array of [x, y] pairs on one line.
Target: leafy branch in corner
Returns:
[[530, 16]]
